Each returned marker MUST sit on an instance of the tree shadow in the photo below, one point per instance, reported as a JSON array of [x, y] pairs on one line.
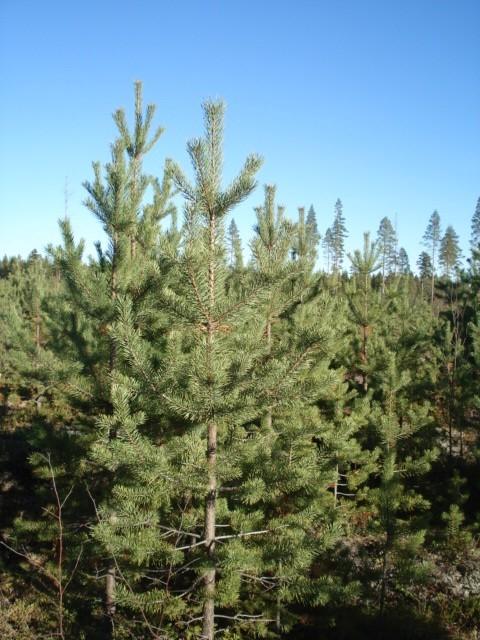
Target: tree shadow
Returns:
[[353, 623]]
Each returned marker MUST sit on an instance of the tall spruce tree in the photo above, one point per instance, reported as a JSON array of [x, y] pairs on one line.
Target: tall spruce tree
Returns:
[[450, 252], [235, 246], [312, 227], [387, 245], [327, 249], [299, 245], [424, 264], [475, 227], [338, 235], [312, 220], [431, 239], [403, 262], [306, 239]]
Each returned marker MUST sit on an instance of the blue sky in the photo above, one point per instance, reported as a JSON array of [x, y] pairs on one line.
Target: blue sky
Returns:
[[376, 102]]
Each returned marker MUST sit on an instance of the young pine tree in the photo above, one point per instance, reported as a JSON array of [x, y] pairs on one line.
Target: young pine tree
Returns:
[[40, 445], [363, 303], [399, 507], [126, 268], [309, 445], [246, 371], [208, 205], [274, 237]]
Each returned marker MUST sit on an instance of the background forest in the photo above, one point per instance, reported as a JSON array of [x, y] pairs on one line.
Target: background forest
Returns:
[[199, 441]]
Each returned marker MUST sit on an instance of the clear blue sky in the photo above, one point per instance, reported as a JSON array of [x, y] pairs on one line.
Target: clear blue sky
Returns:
[[373, 101]]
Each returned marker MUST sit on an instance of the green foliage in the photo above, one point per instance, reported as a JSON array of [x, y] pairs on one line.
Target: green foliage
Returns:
[[338, 233], [196, 445], [475, 236], [403, 262], [387, 245], [450, 253], [432, 237], [424, 264]]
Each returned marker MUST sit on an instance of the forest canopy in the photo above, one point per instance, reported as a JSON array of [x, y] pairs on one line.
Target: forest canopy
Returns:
[[203, 442]]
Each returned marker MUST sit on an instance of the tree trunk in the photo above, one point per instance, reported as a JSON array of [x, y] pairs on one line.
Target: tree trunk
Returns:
[[383, 590], [210, 518], [37, 332], [363, 356], [335, 487], [433, 275], [110, 580], [110, 590], [268, 331], [209, 578], [450, 426], [278, 616]]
